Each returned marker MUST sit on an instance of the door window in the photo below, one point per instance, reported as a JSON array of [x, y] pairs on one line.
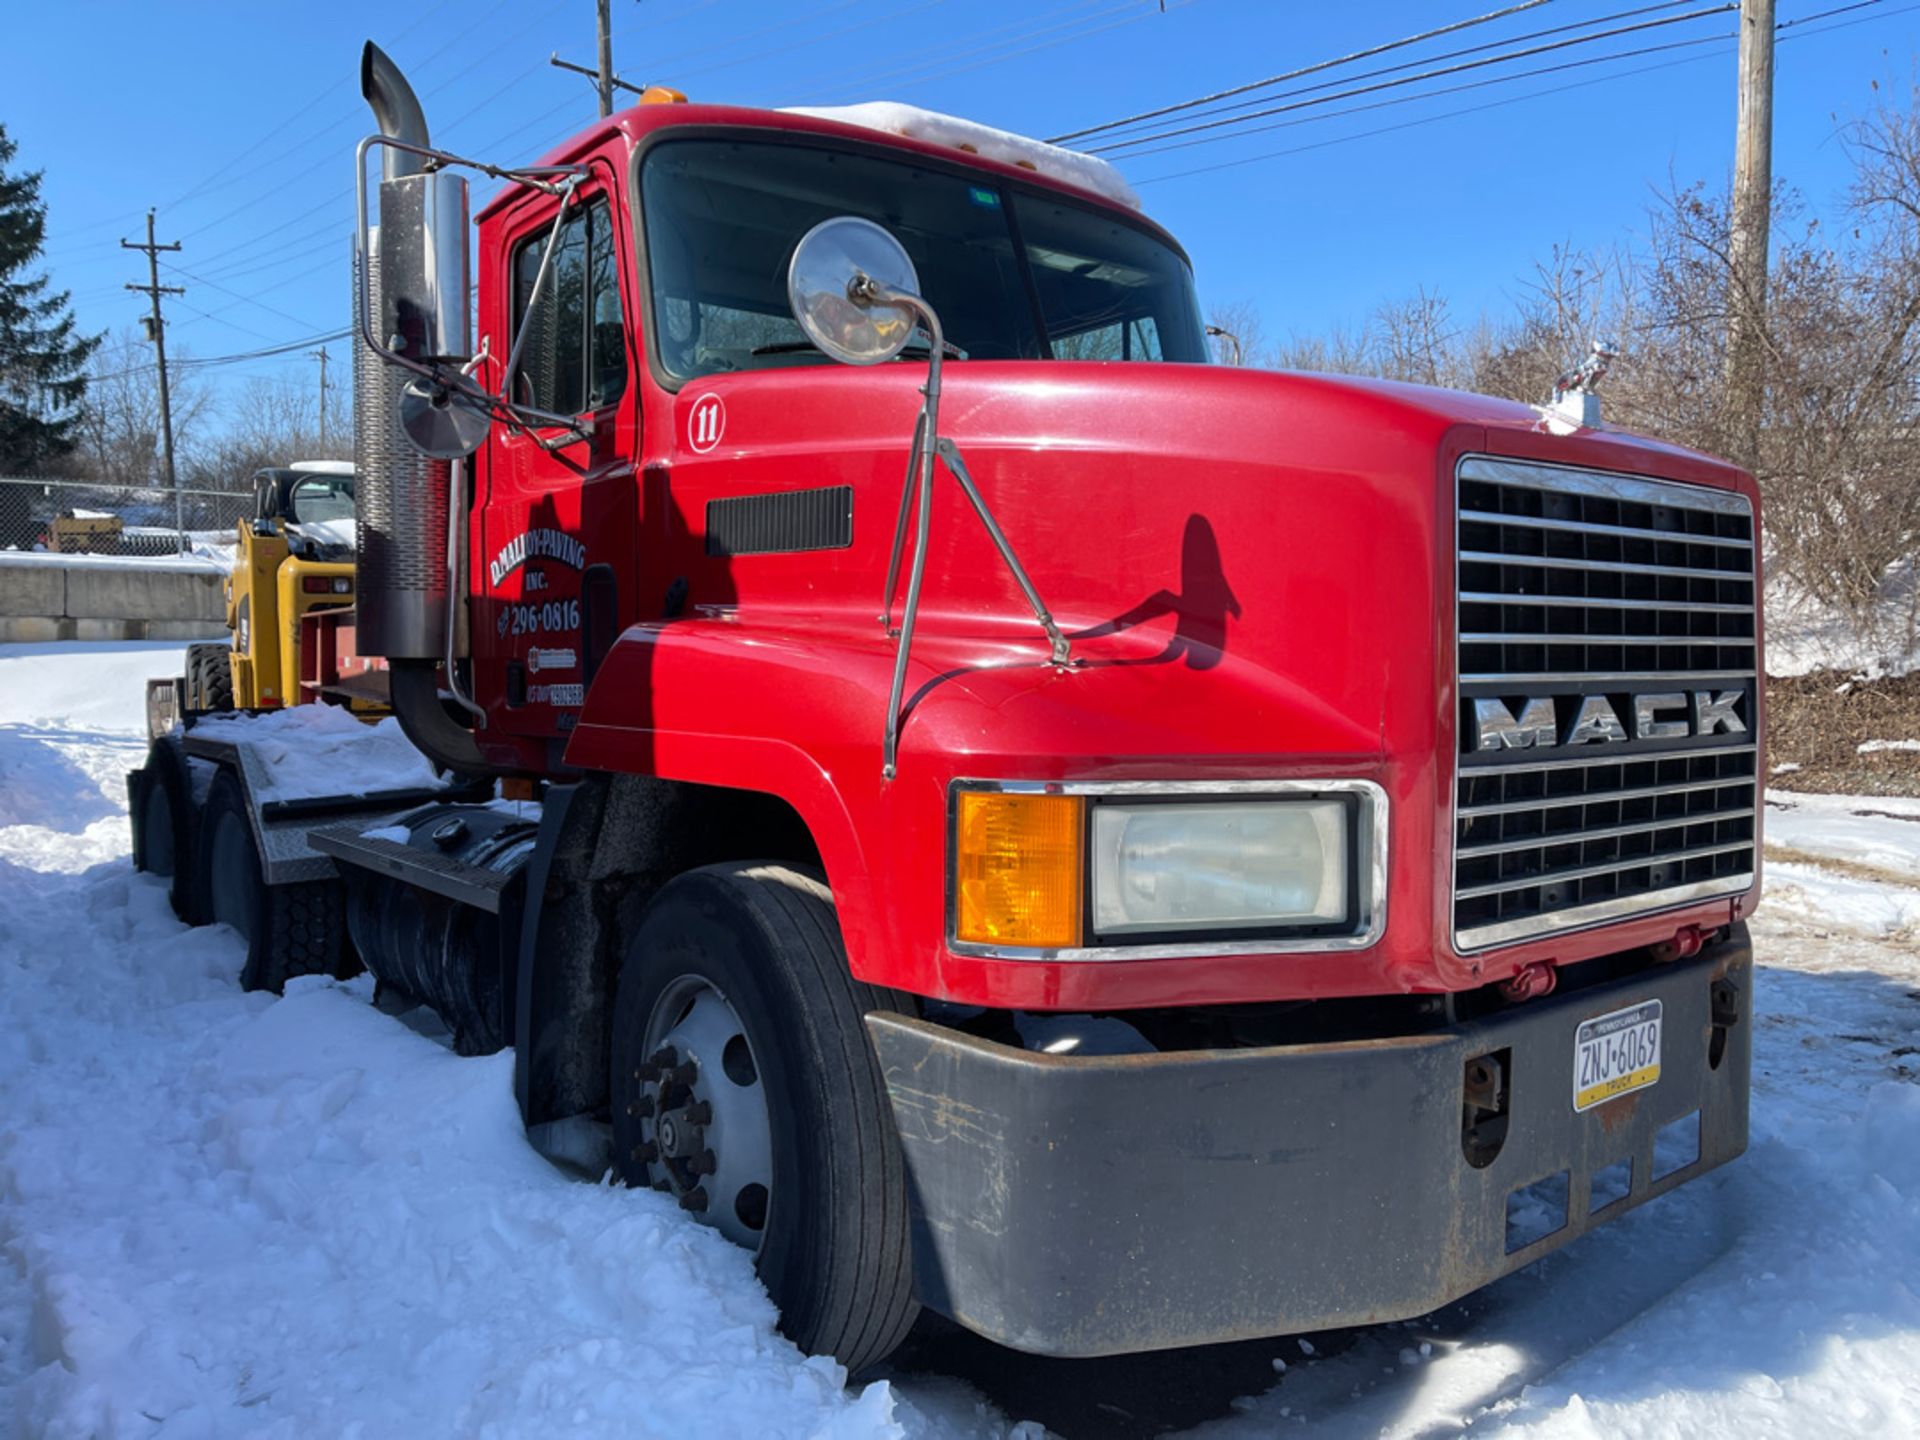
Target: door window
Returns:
[[575, 358]]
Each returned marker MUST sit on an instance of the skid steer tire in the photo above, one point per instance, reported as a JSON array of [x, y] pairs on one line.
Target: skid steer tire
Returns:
[[289, 930], [835, 1252], [218, 687], [196, 676], [209, 678]]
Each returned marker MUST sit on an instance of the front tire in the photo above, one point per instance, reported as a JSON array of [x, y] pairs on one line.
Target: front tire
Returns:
[[736, 982]]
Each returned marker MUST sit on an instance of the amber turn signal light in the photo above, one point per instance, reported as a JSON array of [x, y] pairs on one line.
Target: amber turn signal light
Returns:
[[1018, 869]]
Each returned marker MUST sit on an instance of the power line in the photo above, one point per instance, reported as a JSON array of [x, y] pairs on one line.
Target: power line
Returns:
[[1318, 66], [270, 352], [1705, 12], [1399, 66], [244, 299], [1534, 94], [1433, 94]]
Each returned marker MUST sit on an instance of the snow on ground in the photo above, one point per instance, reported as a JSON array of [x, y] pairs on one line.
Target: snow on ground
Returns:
[[1804, 634], [232, 1214]]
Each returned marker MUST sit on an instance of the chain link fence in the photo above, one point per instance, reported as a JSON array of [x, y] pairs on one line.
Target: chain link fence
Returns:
[[82, 517]]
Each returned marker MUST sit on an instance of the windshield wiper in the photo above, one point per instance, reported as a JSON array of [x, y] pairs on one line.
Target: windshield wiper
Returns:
[[915, 349]]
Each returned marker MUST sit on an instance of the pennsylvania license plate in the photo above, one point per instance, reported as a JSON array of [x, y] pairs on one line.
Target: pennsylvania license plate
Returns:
[[1614, 1055]]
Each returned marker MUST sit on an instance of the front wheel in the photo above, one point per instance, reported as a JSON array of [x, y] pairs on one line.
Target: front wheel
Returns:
[[744, 1084]]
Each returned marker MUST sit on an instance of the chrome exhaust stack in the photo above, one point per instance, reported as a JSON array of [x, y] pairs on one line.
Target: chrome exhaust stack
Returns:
[[411, 276], [411, 286]]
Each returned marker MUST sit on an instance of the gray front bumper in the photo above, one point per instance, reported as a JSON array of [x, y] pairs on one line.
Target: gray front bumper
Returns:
[[1103, 1205]]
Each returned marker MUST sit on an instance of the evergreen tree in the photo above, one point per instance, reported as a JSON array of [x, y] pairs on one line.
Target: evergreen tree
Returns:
[[42, 361]]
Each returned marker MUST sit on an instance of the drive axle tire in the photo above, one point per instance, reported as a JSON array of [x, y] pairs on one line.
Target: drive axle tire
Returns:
[[289, 930], [164, 840], [741, 969]]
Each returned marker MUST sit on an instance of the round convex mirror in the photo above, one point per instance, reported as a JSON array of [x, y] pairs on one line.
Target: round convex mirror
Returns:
[[827, 260], [442, 424]]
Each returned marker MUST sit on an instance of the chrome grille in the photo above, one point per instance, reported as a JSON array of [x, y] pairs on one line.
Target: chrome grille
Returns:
[[1629, 602]]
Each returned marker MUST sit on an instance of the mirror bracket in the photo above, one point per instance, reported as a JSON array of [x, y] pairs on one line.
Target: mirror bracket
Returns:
[[458, 380], [820, 296]]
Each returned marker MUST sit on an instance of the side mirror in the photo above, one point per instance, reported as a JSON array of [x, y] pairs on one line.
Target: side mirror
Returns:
[[838, 284], [423, 268], [442, 423]]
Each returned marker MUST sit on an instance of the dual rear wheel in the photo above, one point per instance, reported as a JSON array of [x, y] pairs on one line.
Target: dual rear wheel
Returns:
[[209, 855]]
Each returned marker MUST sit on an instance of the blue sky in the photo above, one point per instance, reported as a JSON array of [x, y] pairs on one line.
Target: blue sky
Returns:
[[238, 122]]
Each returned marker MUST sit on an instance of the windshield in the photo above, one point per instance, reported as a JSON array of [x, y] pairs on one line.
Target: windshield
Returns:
[[321, 497], [1012, 275]]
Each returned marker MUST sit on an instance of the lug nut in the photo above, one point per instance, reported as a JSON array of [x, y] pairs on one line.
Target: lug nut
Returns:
[[647, 1074], [694, 1200], [647, 1151], [679, 1074], [703, 1163], [699, 1113]]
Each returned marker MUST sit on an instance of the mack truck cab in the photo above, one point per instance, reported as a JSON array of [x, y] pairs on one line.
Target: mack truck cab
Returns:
[[1122, 851]]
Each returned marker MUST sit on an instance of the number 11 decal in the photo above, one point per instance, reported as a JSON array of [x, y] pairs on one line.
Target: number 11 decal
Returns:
[[706, 423]]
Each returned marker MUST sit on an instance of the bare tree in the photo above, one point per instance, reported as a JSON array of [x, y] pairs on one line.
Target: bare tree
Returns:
[[1238, 333], [273, 421], [1414, 339], [119, 432], [1839, 434]]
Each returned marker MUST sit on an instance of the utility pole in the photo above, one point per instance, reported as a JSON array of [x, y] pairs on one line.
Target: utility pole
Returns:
[[157, 332], [605, 79], [1747, 249], [321, 356]]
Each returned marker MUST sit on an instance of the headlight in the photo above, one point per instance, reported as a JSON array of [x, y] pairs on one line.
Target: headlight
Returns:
[[1099, 870], [1224, 866]]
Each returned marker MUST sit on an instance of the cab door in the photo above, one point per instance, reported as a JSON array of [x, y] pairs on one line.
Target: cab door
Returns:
[[555, 550]]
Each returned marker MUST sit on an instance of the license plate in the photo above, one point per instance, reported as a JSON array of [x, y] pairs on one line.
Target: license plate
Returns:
[[1616, 1054]]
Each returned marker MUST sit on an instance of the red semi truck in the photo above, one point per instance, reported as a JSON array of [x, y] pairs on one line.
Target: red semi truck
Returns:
[[1124, 851]]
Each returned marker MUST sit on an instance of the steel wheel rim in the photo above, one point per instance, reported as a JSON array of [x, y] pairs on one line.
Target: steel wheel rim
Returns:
[[704, 1123]]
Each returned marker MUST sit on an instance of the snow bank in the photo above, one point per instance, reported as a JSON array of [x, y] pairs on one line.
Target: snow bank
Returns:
[[322, 750], [41, 787], [1805, 635], [98, 686], [226, 1214], [1881, 831], [297, 1217]]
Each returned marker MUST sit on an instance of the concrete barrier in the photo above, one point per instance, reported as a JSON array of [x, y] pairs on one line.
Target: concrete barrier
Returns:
[[81, 597]]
